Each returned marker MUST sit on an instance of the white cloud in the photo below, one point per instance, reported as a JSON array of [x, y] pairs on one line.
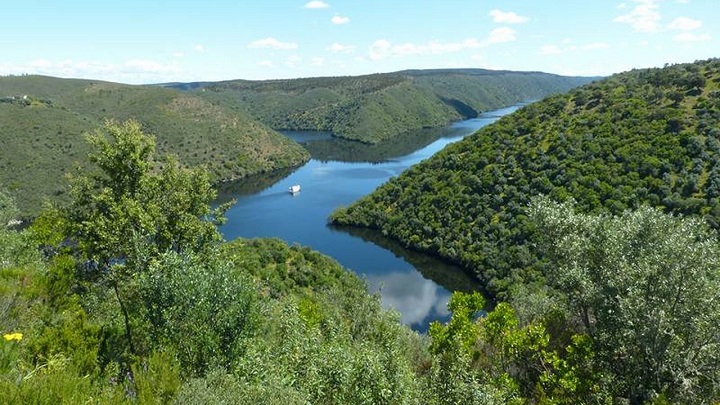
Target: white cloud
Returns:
[[550, 50], [690, 37], [507, 17], [379, 49], [383, 48], [134, 71], [199, 48], [340, 48], [272, 43], [266, 63], [412, 295], [502, 34], [178, 54], [644, 17], [316, 4], [293, 60], [149, 66], [685, 24], [317, 61], [337, 20]]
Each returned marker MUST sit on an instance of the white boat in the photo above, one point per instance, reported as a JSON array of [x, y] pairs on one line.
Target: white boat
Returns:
[[294, 189]]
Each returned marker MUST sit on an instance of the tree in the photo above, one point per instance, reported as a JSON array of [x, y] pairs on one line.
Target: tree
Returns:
[[137, 206], [132, 211], [8, 209], [645, 286]]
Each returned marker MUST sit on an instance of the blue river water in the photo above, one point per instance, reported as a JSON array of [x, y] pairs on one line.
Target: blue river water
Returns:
[[416, 285]]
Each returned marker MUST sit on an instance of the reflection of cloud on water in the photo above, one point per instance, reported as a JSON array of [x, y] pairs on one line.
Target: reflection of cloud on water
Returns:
[[366, 173], [412, 295], [321, 170]]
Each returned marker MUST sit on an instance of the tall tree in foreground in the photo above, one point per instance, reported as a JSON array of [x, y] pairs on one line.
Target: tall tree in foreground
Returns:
[[130, 213], [645, 286]]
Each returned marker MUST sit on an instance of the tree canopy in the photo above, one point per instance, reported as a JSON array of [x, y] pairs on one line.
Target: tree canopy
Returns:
[[379, 107], [644, 137], [41, 135]]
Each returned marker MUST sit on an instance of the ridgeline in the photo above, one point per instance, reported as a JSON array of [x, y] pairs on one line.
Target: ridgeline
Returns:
[[43, 119], [376, 108], [644, 137], [129, 294]]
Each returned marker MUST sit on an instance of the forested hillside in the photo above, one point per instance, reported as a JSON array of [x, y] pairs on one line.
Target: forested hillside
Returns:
[[375, 108], [42, 120], [645, 137], [127, 293]]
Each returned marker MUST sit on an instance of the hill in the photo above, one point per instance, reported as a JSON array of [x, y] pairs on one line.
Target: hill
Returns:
[[129, 294], [644, 137], [375, 108], [43, 119]]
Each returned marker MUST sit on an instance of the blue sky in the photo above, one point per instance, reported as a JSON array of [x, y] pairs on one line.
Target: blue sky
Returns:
[[147, 41]]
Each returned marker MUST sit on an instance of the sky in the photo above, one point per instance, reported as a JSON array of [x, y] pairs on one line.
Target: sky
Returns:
[[153, 41]]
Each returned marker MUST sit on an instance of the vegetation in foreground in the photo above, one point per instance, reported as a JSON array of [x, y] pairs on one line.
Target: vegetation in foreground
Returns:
[[134, 297], [42, 120]]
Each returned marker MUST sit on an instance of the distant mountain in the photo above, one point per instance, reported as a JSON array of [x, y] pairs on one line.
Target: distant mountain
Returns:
[[43, 119], [644, 137], [375, 108]]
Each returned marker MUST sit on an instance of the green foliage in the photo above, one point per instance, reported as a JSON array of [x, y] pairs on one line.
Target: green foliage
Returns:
[[379, 107], [136, 299], [452, 379], [355, 354], [123, 226], [283, 270], [40, 142], [645, 287], [157, 379], [127, 212], [615, 144], [54, 382], [199, 308], [8, 209], [494, 359], [461, 330]]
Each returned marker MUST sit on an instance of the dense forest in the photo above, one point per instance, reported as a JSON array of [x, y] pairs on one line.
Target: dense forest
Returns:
[[128, 294], [43, 119], [591, 216], [376, 108], [645, 137]]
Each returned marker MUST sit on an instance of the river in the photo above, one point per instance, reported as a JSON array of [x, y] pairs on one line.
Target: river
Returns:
[[339, 173]]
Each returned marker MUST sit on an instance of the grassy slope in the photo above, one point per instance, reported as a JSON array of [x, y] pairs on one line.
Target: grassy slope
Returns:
[[41, 137], [643, 137], [375, 108]]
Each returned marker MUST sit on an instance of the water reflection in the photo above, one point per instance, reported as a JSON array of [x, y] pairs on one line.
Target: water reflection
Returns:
[[417, 295], [340, 173], [445, 274], [230, 190], [324, 147], [418, 300]]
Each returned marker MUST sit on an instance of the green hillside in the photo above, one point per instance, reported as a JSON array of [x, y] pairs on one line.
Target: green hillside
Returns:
[[43, 119], [645, 137], [128, 294], [377, 107]]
